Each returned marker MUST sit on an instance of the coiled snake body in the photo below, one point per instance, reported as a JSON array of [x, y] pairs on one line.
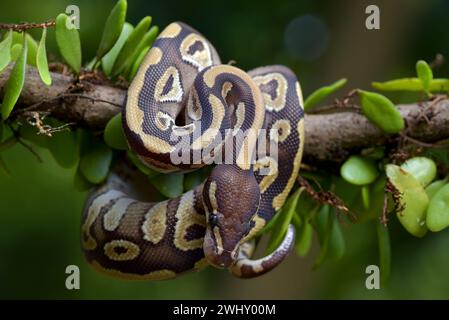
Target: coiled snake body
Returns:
[[214, 223]]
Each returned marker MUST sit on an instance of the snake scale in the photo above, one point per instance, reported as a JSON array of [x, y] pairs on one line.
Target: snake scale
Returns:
[[184, 99]]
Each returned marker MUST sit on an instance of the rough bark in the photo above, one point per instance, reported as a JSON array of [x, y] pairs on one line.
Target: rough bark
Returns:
[[329, 137]]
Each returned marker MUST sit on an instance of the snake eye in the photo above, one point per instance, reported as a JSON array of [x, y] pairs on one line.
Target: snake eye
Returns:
[[213, 220]]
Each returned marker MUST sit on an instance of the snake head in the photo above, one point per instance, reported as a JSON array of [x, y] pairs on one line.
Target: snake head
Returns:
[[231, 197]]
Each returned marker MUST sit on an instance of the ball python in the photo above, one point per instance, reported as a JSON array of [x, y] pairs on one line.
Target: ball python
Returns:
[[183, 99]]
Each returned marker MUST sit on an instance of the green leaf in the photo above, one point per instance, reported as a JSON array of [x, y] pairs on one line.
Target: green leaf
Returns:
[[421, 168], [108, 60], [113, 28], [32, 50], [425, 74], [5, 50], [194, 179], [438, 211], [16, 49], [303, 241], [359, 170], [124, 58], [30, 133], [375, 153], [95, 162], [323, 225], [383, 240], [366, 197], [141, 50], [147, 41], [80, 183], [8, 143], [139, 165], [113, 133], [68, 41], [412, 84], [337, 244], [381, 111], [41, 60], [168, 184], [413, 198], [191, 180], [91, 64], [15, 83], [63, 146], [285, 216], [319, 95], [4, 167], [138, 62], [434, 187]]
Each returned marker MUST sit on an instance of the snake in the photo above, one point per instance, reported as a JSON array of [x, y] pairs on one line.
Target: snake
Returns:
[[183, 102]]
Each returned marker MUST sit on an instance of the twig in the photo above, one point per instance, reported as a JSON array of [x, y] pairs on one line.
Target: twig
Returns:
[[16, 135], [327, 197], [30, 149], [383, 218], [424, 144], [92, 99], [333, 107], [20, 27]]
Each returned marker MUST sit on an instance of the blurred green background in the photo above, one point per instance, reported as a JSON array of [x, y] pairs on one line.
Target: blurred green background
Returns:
[[321, 41]]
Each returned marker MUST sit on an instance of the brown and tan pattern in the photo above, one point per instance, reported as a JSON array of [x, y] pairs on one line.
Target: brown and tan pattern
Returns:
[[215, 223]]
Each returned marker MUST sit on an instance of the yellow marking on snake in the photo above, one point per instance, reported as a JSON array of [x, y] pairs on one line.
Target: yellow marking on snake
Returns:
[[194, 109], [299, 94], [154, 275], [201, 57], [163, 121], [130, 250], [227, 86], [267, 164], [245, 156], [245, 153], [247, 248], [111, 220], [279, 200], [259, 223], [278, 103], [175, 92], [134, 115], [280, 130], [171, 31], [186, 217], [184, 130], [155, 223], [218, 240], [88, 241], [218, 112], [212, 196], [201, 264], [240, 117]]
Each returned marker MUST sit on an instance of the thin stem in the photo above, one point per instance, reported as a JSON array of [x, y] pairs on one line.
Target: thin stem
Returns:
[[424, 144], [20, 27]]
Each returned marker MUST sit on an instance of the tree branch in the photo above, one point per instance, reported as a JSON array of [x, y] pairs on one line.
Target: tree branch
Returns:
[[329, 137]]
